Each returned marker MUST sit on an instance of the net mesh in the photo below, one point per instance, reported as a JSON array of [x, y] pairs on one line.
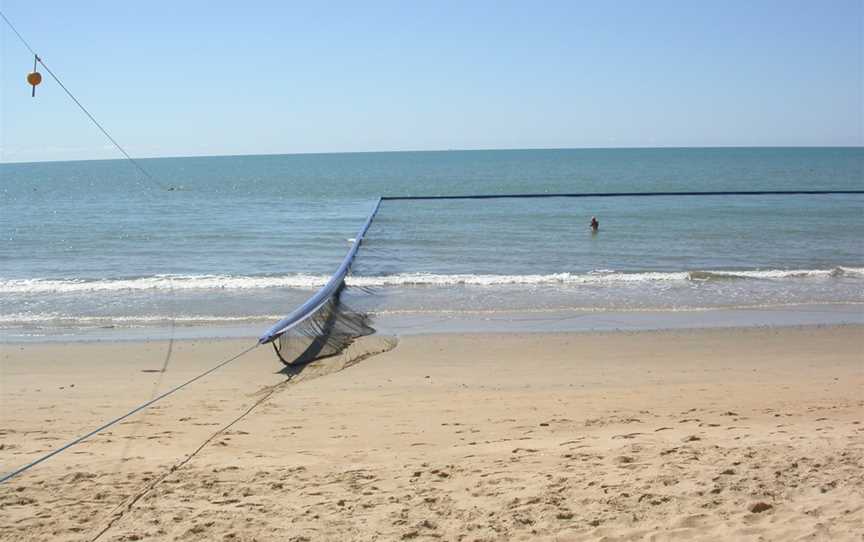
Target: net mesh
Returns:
[[323, 326], [326, 332]]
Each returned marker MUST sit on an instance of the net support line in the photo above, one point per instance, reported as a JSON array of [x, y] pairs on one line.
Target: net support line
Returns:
[[80, 105], [106, 425], [629, 194], [322, 296]]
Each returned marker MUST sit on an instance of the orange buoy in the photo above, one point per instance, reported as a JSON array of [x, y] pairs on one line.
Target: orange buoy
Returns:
[[34, 77]]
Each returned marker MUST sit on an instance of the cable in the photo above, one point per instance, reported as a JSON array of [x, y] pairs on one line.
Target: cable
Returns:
[[630, 194], [104, 131], [149, 178], [124, 507], [140, 168], [20, 37], [130, 502], [165, 362], [139, 408]]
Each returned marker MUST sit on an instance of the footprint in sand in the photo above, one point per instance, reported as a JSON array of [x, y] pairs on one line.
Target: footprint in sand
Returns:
[[627, 435]]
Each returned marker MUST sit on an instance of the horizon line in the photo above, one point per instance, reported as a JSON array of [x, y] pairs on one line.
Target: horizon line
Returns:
[[315, 153]]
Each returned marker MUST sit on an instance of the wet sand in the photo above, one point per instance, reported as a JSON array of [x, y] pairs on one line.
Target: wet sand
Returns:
[[688, 434]]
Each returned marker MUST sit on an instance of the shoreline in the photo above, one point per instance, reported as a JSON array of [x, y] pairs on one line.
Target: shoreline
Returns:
[[406, 323], [697, 433]]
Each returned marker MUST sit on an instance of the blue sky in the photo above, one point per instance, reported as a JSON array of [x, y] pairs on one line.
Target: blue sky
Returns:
[[172, 78]]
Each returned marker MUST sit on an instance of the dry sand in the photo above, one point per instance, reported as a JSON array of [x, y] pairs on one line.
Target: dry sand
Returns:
[[710, 434]]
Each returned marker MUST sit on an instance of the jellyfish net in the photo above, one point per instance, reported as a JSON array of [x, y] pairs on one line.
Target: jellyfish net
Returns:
[[324, 325]]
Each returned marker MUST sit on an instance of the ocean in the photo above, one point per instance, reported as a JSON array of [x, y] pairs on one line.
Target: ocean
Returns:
[[93, 249]]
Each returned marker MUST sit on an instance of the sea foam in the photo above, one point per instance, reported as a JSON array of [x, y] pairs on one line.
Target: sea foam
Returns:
[[311, 282]]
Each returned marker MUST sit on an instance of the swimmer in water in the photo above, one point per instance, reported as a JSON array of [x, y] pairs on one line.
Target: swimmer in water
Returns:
[[595, 225]]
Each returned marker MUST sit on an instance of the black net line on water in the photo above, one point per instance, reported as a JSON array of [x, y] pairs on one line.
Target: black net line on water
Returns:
[[626, 194]]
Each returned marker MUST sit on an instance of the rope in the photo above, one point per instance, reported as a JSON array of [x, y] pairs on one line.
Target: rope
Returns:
[[139, 408], [124, 507], [135, 163], [631, 194], [130, 502], [165, 362], [155, 182], [20, 37]]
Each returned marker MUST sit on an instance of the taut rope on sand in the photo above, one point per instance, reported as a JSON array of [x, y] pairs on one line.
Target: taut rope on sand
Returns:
[[139, 408]]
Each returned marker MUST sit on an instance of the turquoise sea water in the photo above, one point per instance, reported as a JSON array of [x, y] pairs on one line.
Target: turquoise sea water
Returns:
[[245, 239]]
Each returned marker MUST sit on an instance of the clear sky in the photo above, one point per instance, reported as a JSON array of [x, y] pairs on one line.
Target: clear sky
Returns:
[[190, 77]]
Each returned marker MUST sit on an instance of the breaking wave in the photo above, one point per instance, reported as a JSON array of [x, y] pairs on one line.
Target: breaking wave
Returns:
[[111, 321], [311, 282]]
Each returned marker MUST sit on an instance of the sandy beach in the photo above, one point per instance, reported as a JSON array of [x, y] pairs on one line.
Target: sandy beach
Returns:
[[582, 271], [691, 434]]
